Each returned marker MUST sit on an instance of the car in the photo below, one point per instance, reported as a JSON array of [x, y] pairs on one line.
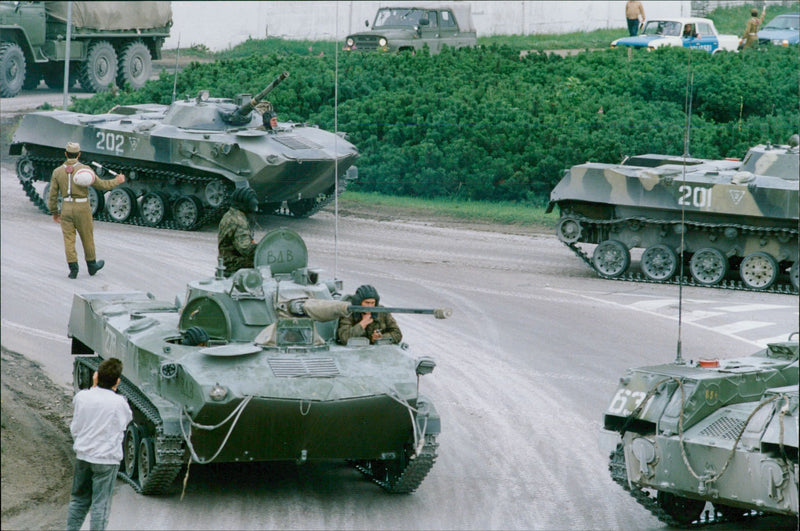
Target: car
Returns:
[[782, 30], [688, 32], [398, 29]]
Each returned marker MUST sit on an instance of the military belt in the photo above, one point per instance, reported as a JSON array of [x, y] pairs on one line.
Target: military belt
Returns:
[[76, 199]]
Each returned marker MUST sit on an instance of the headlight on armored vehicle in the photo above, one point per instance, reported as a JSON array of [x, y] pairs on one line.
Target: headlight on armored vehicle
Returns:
[[350, 41], [382, 41]]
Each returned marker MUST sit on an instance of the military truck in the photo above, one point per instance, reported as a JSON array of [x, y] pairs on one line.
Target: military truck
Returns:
[[111, 43], [398, 29]]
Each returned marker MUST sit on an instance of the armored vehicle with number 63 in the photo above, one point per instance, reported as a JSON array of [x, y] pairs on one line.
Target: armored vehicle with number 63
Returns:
[[248, 368], [721, 216], [184, 160], [723, 431]]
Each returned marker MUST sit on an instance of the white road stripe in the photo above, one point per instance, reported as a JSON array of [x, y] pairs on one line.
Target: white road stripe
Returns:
[[35, 331], [740, 326], [754, 307], [777, 339]]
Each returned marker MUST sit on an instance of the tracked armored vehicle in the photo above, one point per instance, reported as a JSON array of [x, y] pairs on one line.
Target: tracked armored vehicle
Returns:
[[727, 218], [718, 431], [183, 160], [247, 368]]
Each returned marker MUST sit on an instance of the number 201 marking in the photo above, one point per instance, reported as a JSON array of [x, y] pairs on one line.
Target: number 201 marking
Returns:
[[695, 196], [110, 142]]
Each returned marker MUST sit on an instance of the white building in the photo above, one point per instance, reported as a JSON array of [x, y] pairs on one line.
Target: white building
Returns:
[[221, 25]]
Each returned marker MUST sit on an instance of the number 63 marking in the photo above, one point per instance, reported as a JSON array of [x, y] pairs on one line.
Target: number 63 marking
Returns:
[[623, 398]]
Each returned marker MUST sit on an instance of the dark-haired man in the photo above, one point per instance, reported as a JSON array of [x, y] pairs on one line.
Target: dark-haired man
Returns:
[[235, 237], [98, 426], [372, 326]]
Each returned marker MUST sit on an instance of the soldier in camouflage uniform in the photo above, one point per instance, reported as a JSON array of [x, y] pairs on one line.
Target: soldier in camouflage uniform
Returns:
[[373, 327], [235, 237], [76, 213]]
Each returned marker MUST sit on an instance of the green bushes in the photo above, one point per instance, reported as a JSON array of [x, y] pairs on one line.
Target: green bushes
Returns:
[[485, 124]]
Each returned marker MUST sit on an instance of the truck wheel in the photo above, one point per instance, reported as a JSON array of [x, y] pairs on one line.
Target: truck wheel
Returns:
[[100, 68], [12, 69], [135, 65]]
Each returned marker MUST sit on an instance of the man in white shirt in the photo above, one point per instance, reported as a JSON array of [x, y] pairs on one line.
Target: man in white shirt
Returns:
[[98, 427]]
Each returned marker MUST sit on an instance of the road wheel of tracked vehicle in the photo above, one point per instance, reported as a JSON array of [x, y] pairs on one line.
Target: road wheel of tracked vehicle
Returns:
[[568, 230], [794, 275], [145, 459], [12, 69], [708, 266], [97, 201], [100, 68], [216, 193], [135, 65], [187, 211], [154, 208], [25, 169], [121, 204], [611, 258], [758, 270], [46, 195], [301, 208], [659, 262], [683, 510], [130, 449]]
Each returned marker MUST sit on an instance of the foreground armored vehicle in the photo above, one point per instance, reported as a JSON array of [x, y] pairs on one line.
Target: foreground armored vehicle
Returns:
[[247, 369], [184, 160], [725, 215], [719, 431]]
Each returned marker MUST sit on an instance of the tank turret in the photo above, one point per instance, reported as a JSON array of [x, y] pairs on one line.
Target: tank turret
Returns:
[[247, 368], [716, 430], [184, 160], [734, 222]]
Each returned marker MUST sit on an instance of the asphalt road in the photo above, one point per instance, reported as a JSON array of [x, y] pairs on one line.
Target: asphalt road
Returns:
[[526, 366]]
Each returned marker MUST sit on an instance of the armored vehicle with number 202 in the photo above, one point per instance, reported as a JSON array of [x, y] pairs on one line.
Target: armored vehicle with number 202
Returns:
[[719, 215], [248, 368], [183, 160]]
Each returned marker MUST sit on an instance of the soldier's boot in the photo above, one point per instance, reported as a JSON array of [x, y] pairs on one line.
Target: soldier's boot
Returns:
[[95, 266], [73, 269]]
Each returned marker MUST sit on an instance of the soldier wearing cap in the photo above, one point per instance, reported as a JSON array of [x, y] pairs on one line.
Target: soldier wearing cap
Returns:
[[373, 326], [235, 237], [72, 180], [751, 29]]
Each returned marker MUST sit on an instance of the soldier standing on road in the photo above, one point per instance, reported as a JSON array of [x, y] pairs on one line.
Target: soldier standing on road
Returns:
[[634, 12], [235, 237], [751, 30], [372, 326], [98, 427], [72, 180]]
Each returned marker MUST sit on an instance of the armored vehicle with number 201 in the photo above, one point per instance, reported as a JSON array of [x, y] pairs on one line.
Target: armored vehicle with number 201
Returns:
[[184, 160], [248, 368], [719, 215]]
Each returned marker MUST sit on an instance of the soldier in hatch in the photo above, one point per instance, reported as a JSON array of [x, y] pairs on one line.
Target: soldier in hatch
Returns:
[[72, 181], [235, 237], [372, 326]]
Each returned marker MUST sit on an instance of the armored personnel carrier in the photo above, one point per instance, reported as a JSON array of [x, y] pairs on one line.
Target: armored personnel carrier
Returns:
[[183, 160], [247, 368], [718, 431], [722, 216]]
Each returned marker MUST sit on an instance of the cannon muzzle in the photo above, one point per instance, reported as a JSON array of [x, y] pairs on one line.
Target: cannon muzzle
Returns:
[[245, 109]]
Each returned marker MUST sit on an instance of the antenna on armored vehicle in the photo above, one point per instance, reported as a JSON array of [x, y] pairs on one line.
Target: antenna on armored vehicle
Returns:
[[175, 78]]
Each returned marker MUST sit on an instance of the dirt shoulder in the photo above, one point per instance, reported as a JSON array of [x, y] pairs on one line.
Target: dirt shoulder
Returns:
[[36, 446]]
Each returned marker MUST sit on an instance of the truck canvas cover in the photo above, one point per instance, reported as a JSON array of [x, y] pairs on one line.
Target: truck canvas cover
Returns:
[[113, 15]]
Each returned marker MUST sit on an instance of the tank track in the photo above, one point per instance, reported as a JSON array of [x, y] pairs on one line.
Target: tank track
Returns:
[[412, 475], [169, 448], [628, 276], [616, 467], [43, 166], [318, 205]]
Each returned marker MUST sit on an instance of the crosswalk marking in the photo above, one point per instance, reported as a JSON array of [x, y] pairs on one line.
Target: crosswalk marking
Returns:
[[740, 326]]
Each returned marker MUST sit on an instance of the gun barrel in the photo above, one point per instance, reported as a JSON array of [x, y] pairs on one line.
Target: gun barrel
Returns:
[[245, 109], [439, 313]]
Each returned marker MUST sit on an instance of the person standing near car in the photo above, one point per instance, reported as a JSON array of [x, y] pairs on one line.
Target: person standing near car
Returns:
[[98, 426], [634, 14], [751, 29], [72, 181]]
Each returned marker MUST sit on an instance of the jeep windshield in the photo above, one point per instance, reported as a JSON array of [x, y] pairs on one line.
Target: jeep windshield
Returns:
[[398, 18], [662, 27], [784, 22]]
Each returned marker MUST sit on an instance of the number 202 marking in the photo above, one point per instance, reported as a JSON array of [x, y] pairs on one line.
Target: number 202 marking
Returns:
[[695, 196], [621, 400], [110, 142]]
